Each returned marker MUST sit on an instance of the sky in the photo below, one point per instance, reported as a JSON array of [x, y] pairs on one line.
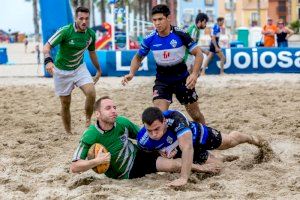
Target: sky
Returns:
[[16, 15]]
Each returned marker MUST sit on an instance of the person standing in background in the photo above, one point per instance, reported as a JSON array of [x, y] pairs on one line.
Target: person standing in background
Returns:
[[269, 32], [283, 33]]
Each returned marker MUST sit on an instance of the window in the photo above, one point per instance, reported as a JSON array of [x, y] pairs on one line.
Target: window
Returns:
[[209, 2], [254, 19], [211, 16]]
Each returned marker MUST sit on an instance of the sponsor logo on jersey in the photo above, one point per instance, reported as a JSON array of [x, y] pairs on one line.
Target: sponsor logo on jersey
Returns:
[[157, 45], [71, 42], [166, 54], [173, 43]]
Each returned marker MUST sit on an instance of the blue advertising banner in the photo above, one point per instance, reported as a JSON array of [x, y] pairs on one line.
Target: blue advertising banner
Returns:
[[54, 14], [258, 60], [238, 61]]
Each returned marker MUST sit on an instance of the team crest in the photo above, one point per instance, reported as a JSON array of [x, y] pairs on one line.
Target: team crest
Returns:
[[169, 140], [173, 43]]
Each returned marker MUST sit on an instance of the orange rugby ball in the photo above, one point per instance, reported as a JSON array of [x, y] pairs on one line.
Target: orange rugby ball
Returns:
[[93, 151]]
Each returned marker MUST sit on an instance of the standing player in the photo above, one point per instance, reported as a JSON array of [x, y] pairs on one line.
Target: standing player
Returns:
[[214, 46], [194, 32], [168, 44], [69, 70]]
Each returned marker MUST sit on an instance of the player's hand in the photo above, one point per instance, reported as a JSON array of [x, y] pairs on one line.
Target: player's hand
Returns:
[[97, 76], [102, 157], [172, 153], [191, 81], [50, 68], [126, 79], [178, 182]]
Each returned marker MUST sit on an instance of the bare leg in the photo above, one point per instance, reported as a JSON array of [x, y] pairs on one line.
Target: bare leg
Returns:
[[195, 113], [235, 138], [212, 165], [65, 112], [206, 62], [222, 59], [162, 104], [90, 93]]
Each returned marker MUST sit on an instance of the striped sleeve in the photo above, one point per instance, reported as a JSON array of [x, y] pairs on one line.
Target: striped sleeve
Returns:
[[81, 152], [57, 37]]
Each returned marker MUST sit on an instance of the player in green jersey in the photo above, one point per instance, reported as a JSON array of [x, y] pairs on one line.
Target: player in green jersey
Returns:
[[69, 70], [194, 32], [126, 160]]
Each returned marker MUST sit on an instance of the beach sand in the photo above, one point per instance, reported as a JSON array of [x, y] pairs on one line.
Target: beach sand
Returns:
[[36, 153]]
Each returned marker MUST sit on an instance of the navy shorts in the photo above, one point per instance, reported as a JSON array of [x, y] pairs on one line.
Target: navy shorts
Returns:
[[144, 163], [209, 140], [212, 48], [162, 90]]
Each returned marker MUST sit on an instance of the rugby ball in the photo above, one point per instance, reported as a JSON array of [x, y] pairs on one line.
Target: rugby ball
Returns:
[[93, 151]]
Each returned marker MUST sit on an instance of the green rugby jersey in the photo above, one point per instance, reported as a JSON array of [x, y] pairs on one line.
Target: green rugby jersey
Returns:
[[72, 46], [116, 141], [194, 32]]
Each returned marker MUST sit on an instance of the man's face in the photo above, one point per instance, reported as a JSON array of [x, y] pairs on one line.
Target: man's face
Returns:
[[161, 22], [221, 23], [156, 130], [270, 21], [82, 20], [201, 24], [107, 112]]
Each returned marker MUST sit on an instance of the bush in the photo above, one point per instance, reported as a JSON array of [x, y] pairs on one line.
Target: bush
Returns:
[[295, 26]]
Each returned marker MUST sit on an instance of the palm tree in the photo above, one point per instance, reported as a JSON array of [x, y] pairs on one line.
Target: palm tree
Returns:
[[35, 19]]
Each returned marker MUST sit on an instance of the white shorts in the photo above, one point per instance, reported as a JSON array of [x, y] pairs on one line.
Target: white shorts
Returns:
[[65, 81]]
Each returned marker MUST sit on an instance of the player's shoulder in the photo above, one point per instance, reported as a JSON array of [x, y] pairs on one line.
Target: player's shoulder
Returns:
[[89, 136], [152, 34], [142, 136], [179, 30], [91, 31]]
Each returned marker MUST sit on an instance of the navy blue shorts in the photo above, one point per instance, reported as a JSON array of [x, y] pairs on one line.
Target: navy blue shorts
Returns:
[[144, 163], [162, 90], [210, 139]]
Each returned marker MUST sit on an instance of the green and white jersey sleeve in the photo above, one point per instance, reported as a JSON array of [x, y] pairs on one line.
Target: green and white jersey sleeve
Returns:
[[116, 141], [194, 32]]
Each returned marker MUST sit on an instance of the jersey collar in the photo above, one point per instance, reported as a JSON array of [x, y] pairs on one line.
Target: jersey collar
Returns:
[[101, 130], [75, 28]]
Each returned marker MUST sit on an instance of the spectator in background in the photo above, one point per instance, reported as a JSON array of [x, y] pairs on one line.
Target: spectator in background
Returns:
[[269, 32], [214, 47], [26, 43], [38, 52], [283, 33]]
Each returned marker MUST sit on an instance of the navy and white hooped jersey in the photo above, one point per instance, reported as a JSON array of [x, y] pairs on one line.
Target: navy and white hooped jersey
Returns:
[[168, 51], [177, 126]]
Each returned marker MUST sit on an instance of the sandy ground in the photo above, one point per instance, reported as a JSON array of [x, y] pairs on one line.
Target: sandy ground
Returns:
[[36, 154]]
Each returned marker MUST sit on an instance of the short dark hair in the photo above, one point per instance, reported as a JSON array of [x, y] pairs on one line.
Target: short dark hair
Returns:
[[220, 19], [151, 114], [161, 8], [98, 102], [201, 17], [82, 9]]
